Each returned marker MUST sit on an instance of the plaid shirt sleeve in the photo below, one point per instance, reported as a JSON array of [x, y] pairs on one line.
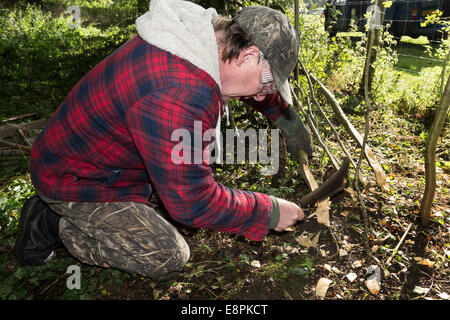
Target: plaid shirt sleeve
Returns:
[[188, 190]]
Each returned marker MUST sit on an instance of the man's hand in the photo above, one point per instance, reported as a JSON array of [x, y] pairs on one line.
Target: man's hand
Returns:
[[290, 213]]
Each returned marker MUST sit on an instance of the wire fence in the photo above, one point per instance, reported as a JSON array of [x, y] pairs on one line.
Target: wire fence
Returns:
[[402, 18]]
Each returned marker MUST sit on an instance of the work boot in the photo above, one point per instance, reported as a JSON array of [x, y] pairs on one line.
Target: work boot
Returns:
[[39, 235]]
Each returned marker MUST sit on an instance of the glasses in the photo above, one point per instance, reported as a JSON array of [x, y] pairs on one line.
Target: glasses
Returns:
[[267, 85]]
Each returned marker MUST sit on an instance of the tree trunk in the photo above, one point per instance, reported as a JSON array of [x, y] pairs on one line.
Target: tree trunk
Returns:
[[430, 155]]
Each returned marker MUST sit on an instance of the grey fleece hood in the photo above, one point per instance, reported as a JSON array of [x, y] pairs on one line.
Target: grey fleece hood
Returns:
[[185, 30]]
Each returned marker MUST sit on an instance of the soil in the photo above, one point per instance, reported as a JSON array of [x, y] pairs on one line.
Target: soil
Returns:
[[224, 266]]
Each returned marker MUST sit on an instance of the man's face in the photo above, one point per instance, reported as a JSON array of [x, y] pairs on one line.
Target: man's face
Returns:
[[250, 77]]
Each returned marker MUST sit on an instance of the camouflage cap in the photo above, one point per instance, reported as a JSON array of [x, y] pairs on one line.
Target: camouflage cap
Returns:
[[274, 35]]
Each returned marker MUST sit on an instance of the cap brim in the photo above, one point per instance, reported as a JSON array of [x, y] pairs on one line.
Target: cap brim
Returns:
[[283, 86], [284, 89]]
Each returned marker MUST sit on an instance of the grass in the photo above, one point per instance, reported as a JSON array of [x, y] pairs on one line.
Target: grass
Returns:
[[417, 77], [410, 85], [414, 63]]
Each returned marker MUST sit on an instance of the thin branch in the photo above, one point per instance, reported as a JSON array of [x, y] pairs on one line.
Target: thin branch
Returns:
[[336, 243], [399, 244], [366, 134], [444, 67], [333, 129], [24, 138], [20, 117], [430, 155], [315, 131], [339, 113], [15, 145]]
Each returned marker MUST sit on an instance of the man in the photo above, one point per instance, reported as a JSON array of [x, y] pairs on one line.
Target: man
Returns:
[[108, 146]]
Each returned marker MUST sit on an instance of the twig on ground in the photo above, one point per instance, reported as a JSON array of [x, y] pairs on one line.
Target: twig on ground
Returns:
[[334, 255], [399, 244], [15, 145], [23, 136], [20, 117], [51, 284]]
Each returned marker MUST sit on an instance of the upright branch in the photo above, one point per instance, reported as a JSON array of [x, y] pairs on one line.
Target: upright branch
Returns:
[[333, 129], [366, 134], [444, 69], [373, 36], [314, 130], [296, 26], [430, 155]]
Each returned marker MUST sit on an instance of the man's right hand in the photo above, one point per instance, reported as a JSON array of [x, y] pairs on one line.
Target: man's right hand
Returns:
[[290, 213]]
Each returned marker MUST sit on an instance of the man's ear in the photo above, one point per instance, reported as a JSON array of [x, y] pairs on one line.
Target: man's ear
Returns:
[[246, 54]]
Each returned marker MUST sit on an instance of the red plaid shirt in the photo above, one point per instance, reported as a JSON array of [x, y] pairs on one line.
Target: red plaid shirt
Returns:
[[110, 140]]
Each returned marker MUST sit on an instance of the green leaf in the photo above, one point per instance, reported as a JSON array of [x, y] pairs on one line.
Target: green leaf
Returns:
[[300, 272], [5, 290]]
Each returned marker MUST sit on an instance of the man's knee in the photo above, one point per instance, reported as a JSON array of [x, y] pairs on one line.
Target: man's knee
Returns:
[[170, 262]]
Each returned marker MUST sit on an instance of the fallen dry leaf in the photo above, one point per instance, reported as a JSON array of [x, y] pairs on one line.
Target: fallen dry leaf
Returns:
[[351, 192], [323, 213], [347, 246], [351, 276], [425, 262], [373, 282], [385, 188], [444, 296], [356, 264], [336, 270], [421, 290], [373, 286], [322, 287], [308, 241], [327, 267]]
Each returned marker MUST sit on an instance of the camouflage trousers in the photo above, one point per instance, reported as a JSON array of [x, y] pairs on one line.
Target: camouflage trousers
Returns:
[[129, 236]]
